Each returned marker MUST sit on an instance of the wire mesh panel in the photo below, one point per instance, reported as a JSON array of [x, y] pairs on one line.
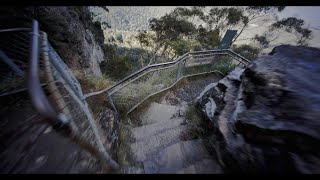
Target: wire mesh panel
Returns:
[[14, 58], [207, 64], [142, 87], [65, 93], [66, 103], [60, 87]]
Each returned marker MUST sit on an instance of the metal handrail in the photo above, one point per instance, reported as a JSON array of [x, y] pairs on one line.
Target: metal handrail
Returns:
[[36, 93], [179, 59], [17, 29]]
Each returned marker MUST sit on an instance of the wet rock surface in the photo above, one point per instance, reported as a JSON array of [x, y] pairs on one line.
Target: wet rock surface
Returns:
[[267, 120]]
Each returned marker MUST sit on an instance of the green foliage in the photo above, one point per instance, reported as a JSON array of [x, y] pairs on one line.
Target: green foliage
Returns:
[[221, 18], [266, 9], [225, 66], [181, 46], [197, 69], [145, 39], [262, 40], [222, 64], [208, 39], [234, 16], [185, 12], [289, 24], [196, 126], [170, 27], [293, 24], [247, 51], [92, 83], [95, 83], [173, 27], [197, 47], [117, 67]]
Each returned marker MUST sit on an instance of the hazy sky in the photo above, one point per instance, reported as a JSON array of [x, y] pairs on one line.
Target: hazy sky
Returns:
[[311, 14]]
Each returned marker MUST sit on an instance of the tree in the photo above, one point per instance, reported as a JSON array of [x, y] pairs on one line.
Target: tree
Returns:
[[262, 40], [168, 28], [247, 51], [117, 67], [228, 17], [182, 45], [208, 38], [295, 26]]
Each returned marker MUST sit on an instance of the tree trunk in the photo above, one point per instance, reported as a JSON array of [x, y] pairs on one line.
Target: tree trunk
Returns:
[[154, 54], [245, 25]]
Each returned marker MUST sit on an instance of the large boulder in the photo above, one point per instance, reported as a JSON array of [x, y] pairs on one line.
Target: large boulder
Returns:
[[267, 120]]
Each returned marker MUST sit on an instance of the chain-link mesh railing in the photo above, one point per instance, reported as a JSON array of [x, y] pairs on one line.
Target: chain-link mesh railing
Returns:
[[65, 93], [28, 59], [127, 95], [14, 53]]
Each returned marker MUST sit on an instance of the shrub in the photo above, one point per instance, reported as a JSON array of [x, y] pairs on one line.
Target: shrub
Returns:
[[247, 51], [224, 66], [196, 127], [92, 83], [117, 67]]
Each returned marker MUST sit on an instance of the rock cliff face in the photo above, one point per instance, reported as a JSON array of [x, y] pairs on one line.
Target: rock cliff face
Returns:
[[71, 34], [70, 31], [266, 117]]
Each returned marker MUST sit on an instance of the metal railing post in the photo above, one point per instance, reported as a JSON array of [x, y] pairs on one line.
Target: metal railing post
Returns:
[[37, 95], [111, 102], [179, 71]]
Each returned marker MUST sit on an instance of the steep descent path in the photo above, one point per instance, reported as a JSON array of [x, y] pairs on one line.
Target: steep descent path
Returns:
[[158, 146]]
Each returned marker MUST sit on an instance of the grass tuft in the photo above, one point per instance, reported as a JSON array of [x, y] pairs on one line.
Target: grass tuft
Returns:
[[196, 126]]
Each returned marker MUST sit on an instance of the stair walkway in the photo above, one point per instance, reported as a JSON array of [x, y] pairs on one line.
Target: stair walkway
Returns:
[[159, 148]]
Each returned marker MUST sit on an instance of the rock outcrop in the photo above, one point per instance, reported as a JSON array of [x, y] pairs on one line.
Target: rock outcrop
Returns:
[[266, 117], [70, 31]]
